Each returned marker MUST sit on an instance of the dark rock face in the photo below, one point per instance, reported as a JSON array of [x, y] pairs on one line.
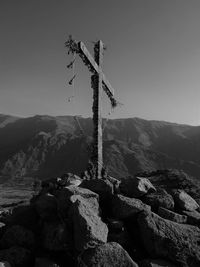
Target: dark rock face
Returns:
[[175, 242], [46, 207], [124, 207], [17, 256], [104, 188], [159, 199], [136, 187], [107, 255], [44, 262], [24, 215], [193, 217], [56, 237], [118, 233], [172, 216], [17, 236]]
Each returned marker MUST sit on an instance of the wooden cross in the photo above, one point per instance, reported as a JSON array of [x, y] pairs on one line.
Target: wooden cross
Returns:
[[98, 83]]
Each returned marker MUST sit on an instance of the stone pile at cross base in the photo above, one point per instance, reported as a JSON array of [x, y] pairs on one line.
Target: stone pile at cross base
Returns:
[[102, 223]]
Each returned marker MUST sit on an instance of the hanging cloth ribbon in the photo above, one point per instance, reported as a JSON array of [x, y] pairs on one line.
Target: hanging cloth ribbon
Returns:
[[71, 65], [71, 82]]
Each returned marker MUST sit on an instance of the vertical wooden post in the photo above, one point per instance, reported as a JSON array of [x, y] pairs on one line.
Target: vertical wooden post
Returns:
[[97, 119]]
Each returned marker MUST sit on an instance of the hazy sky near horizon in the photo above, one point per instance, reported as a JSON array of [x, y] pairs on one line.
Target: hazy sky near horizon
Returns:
[[152, 58]]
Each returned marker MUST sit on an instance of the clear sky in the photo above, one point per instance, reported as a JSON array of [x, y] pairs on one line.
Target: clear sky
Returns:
[[152, 58]]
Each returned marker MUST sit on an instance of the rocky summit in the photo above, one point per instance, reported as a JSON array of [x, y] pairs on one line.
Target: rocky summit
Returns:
[[104, 223]]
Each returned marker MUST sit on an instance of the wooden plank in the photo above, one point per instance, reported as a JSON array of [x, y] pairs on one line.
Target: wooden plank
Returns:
[[97, 117], [107, 85], [88, 56], [85, 53]]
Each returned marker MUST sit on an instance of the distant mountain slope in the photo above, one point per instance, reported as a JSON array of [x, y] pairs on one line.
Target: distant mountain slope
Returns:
[[6, 119], [46, 146]]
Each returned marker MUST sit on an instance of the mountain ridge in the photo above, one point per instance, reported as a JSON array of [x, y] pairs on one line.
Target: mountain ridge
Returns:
[[44, 145]]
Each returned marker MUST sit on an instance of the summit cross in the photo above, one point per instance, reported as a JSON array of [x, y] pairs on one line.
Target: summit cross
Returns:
[[99, 83]]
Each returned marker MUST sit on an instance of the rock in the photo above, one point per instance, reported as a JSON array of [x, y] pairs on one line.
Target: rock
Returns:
[[156, 263], [172, 216], [107, 255], [17, 235], [69, 179], [5, 214], [125, 207], [17, 256], [5, 264], [46, 207], [159, 199], [136, 187], [65, 200], [115, 182], [89, 230], [115, 226], [56, 237], [43, 262], [2, 225], [103, 187], [25, 216], [122, 238], [91, 202], [183, 201], [2, 229], [118, 233], [162, 238], [193, 217]]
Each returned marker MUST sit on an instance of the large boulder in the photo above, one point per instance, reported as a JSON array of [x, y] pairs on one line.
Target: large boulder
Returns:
[[24, 215], [89, 230], [17, 256], [136, 187], [172, 216], [183, 201], [165, 239], [107, 255], [17, 235], [103, 187], [67, 195], [160, 198], [46, 207], [56, 237], [125, 207]]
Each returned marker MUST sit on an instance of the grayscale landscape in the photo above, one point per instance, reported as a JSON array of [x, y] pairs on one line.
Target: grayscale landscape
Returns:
[[99, 133]]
